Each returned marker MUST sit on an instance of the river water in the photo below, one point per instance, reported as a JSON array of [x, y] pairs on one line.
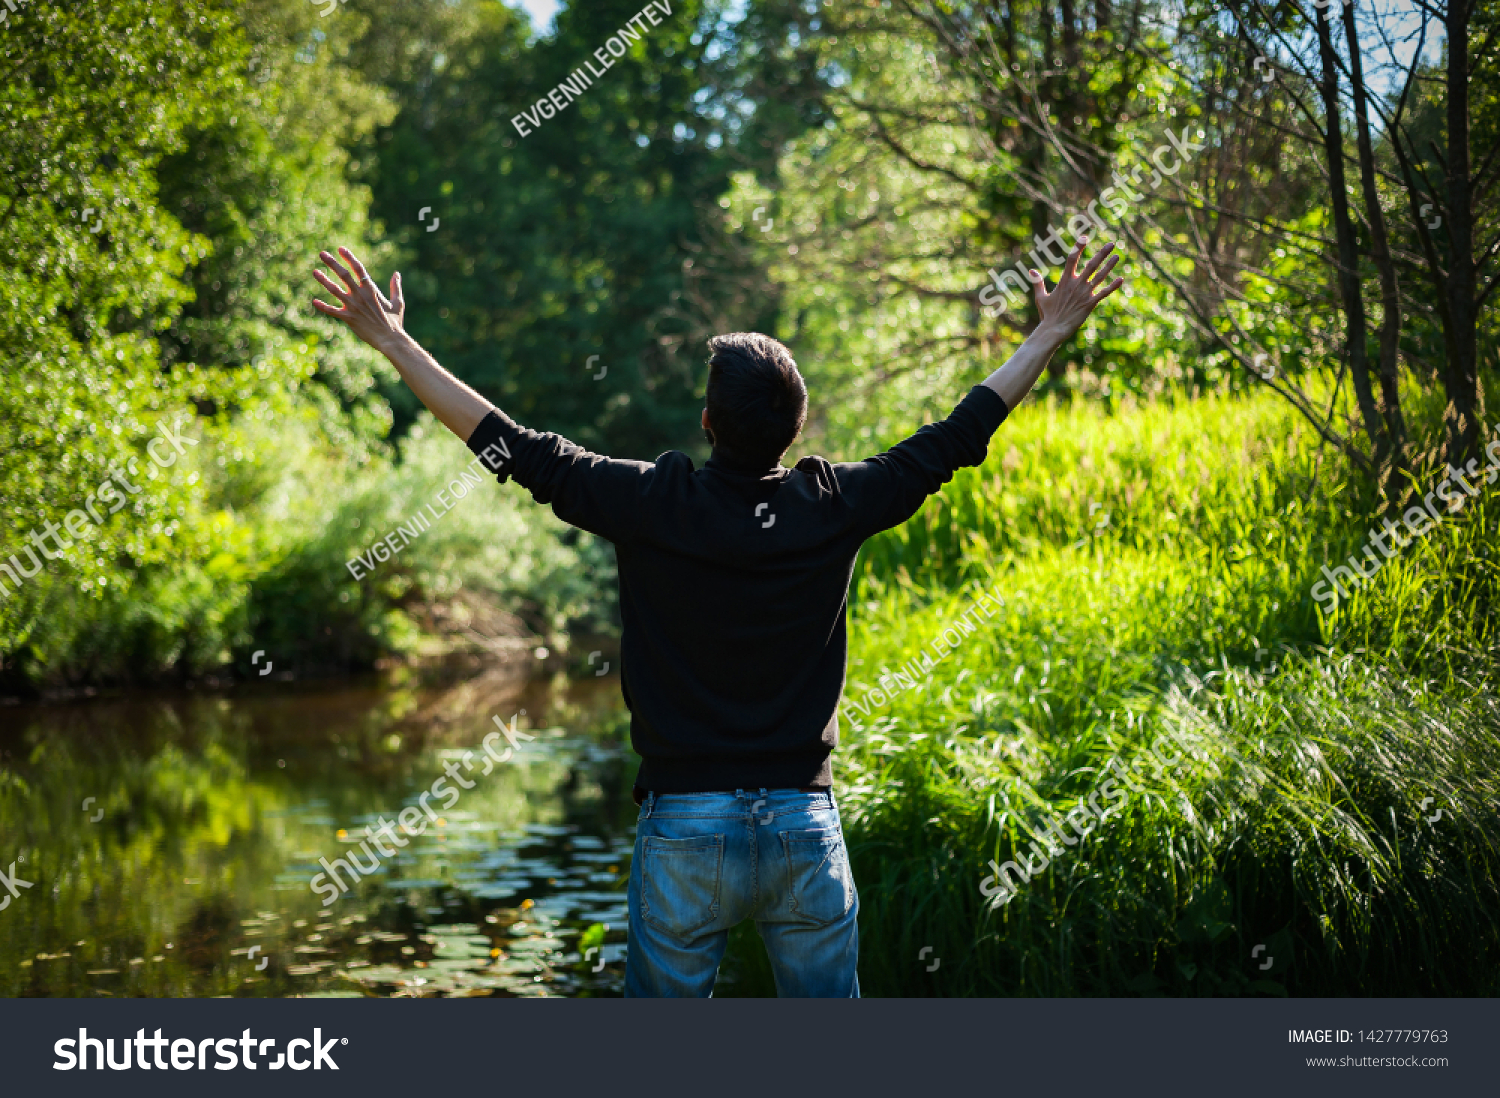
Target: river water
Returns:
[[171, 841]]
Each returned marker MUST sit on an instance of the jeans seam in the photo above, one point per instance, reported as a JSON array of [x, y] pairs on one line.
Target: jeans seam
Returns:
[[688, 812], [754, 863]]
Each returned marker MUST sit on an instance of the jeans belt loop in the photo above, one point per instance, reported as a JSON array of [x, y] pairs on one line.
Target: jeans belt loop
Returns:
[[650, 803]]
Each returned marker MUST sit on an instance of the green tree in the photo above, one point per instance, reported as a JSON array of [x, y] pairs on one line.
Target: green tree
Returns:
[[95, 95], [171, 171], [572, 249], [266, 184]]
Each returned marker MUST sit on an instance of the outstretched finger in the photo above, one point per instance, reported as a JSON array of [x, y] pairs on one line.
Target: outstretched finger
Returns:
[[397, 301], [340, 269], [1113, 286], [1095, 281], [359, 268], [331, 286], [1072, 265], [1088, 272], [1038, 284], [327, 309]]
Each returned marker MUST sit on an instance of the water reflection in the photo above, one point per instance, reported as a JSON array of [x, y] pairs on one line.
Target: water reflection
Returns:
[[218, 811]]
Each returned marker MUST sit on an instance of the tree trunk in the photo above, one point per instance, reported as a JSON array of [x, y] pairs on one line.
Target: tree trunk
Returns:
[[1461, 337], [1389, 401], [1348, 253]]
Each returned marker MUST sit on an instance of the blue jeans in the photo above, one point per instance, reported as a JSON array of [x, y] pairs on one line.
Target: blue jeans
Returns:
[[705, 862]]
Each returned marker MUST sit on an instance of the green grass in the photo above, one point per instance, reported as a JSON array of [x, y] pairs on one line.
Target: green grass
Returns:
[[1297, 817]]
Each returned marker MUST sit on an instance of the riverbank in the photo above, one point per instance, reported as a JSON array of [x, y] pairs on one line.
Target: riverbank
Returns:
[[255, 576], [1143, 573]]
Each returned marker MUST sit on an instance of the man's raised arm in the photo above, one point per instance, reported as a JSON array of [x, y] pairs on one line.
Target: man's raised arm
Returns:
[[377, 320], [1063, 312], [889, 488]]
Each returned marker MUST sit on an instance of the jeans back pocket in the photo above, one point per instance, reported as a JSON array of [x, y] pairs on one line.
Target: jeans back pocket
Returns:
[[680, 882], [818, 875]]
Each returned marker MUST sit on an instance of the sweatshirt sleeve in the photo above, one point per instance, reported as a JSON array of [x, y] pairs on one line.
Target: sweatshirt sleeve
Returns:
[[889, 488], [590, 491]]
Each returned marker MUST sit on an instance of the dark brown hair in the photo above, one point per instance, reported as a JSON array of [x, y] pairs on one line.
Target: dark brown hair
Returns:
[[757, 401]]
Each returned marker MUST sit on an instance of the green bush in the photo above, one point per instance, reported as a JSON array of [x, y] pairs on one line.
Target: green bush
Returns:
[[493, 562]]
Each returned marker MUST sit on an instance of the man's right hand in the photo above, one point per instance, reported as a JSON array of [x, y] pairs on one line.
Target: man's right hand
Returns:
[[1063, 312]]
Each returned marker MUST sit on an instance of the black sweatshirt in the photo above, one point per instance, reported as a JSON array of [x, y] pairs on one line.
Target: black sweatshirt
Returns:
[[733, 586]]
